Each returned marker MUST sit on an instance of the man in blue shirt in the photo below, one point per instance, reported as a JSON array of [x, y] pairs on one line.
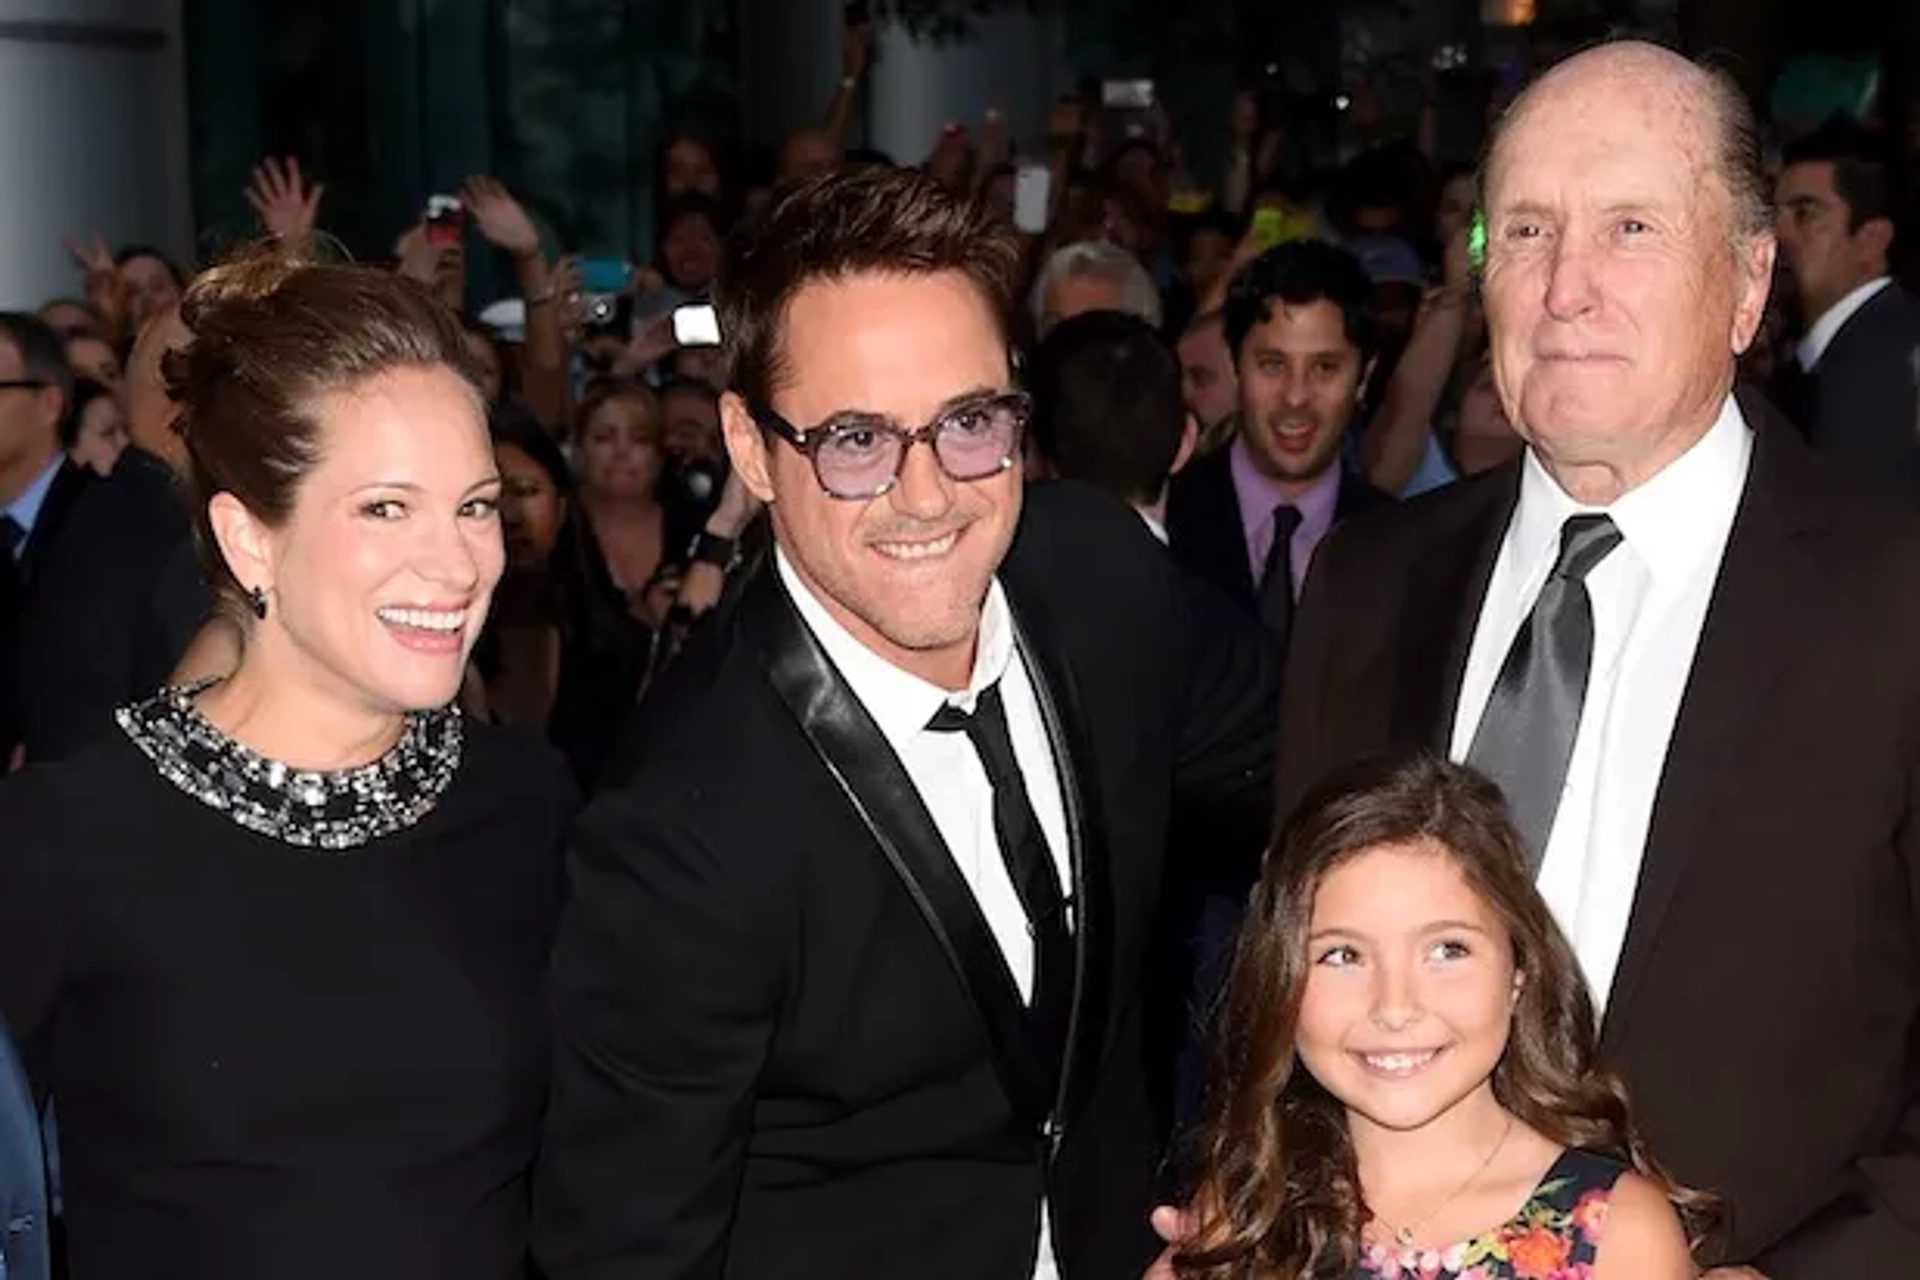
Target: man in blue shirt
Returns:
[[33, 396], [89, 617]]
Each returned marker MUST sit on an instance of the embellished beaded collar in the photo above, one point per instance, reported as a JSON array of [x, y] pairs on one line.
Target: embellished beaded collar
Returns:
[[332, 811]]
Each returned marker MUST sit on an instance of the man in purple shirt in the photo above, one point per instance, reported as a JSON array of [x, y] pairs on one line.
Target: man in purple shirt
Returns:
[[1300, 325], [1247, 518]]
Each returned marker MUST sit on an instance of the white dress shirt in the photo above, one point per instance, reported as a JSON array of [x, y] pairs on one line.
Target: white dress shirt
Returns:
[[951, 780], [1821, 333], [1649, 602]]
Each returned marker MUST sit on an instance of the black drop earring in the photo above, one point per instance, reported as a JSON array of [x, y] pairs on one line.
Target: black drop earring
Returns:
[[257, 601]]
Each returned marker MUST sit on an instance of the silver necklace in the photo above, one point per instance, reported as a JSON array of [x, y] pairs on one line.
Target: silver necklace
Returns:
[[1404, 1236], [328, 811]]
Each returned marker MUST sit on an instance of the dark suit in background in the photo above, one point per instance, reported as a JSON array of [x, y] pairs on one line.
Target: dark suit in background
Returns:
[[770, 1066], [110, 593], [1863, 396], [1207, 531], [1766, 1010]]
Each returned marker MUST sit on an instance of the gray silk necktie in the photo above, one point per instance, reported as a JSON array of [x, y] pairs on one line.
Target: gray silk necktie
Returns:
[[1525, 737]]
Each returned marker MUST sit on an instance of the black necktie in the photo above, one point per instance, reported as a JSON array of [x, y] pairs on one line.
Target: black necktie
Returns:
[[11, 536], [1023, 846], [1276, 577], [1525, 737]]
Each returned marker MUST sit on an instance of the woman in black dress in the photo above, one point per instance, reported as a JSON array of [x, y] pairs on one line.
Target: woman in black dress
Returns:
[[277, 946]]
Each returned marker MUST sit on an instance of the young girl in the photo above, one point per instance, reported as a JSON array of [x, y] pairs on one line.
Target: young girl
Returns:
[[1405, 1085]]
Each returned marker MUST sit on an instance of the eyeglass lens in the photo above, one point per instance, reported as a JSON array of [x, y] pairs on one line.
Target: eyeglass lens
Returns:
[[972, 442]]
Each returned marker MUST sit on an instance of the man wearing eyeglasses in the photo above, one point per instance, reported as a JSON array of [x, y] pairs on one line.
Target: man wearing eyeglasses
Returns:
[[87, 622], [32, 400], [848, 983]]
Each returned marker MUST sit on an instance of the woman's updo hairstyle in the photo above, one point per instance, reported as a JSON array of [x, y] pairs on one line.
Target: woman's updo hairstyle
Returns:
[[274, 332]]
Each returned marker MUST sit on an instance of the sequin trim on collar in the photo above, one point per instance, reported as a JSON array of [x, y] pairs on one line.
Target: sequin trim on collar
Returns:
[[330, 811]]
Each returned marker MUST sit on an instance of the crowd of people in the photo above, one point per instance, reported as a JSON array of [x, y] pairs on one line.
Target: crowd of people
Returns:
[[1373, 740]]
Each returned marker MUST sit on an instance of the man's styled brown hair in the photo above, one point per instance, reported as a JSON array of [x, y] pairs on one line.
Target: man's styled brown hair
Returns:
[[872, 221]]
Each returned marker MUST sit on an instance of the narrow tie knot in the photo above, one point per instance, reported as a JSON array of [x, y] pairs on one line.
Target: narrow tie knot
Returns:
[[1286, 522], [951, 719], [1584, 542]]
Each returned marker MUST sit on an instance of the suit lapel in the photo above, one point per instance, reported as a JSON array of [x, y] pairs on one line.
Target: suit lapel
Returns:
[[1212, 527], [1061, 710], [877, 787], [1444, 591], [1766, 575]]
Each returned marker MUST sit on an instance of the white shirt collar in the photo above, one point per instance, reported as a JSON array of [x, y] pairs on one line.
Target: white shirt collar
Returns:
[[900, 702], [1822, 332], [1671, 522]]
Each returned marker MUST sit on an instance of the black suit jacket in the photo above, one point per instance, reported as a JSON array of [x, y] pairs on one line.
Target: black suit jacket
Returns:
[[112, 596], [1206, 531], [1766, 1010], [769, 1066], [1865, 406]]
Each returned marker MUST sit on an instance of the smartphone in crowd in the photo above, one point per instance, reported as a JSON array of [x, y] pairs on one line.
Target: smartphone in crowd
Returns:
[[1127, 95], [1032, 198], [444, 217], [604, 275], [696, 325]]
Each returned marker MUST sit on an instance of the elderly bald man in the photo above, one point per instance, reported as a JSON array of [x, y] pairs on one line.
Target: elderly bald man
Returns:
[[1688, 650]]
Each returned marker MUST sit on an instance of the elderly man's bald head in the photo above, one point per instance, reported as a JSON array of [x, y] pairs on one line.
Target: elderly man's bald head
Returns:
[[1629, 255], [1700, 99]]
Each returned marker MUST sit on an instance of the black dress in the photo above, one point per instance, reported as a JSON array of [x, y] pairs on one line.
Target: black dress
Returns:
[[294, 1025]]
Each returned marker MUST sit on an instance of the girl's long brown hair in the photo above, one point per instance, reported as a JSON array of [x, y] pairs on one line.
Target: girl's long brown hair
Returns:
[[1278, 1193]]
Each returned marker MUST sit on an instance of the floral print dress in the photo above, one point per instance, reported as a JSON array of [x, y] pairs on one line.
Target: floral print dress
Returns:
[[1555, 1236]]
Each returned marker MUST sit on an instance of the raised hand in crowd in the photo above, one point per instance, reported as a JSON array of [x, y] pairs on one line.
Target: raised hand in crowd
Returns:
[[654, 341], [287, 205], [856, 55], [545, 359], [702, 580], [568, 286], [499, 218], [996, 143], [106, 292], [856, 49]]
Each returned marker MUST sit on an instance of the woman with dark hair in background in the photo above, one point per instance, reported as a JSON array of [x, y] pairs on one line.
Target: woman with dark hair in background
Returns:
[[286, 987], [94, 430], [561, 654], [687, 250], [619, 456], [688, 164]]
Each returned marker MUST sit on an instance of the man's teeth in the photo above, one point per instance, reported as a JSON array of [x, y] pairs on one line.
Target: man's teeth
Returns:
[[918, 550], [425, 619], [1399, 1063]]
